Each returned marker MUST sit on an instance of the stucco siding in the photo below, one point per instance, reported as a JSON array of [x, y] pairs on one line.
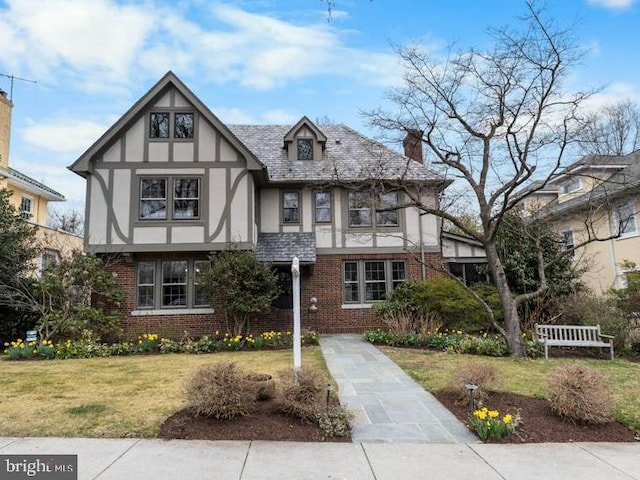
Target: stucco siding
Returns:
[[158, 152], [134, 142]]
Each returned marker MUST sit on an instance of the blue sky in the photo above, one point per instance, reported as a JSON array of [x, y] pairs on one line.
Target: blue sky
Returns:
[[254, 61]]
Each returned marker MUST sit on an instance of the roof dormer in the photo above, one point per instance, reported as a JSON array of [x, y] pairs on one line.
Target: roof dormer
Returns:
[[305, 141]]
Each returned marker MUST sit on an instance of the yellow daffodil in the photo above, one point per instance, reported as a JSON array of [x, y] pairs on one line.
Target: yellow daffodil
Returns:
[[493, 414], [507, 419]]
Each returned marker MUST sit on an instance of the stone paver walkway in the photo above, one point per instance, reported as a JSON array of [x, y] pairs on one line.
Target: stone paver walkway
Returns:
[[388, 405]]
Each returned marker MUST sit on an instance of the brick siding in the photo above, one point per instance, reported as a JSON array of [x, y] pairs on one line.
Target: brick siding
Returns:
[[322, 281]]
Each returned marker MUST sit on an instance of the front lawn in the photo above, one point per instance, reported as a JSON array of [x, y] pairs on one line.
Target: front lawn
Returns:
[[112, 397], [524, 377]]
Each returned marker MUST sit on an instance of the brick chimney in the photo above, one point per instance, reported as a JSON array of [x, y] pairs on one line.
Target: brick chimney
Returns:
[[412, 144], [5, 128]]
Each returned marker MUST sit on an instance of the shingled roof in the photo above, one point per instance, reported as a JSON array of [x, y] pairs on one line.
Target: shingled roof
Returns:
[[282, 247], [348, 157], [32, 184]]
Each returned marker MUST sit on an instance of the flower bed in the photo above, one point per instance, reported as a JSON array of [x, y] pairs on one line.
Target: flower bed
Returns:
[[153, 343], [455, 341]]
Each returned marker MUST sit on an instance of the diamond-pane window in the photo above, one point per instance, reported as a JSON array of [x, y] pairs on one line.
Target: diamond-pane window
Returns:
[[159, 125], [183, 125], [305, 149]]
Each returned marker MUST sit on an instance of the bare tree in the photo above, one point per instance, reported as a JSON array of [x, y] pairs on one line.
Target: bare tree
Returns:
[[493, 119], [614, 130], [71, 221]]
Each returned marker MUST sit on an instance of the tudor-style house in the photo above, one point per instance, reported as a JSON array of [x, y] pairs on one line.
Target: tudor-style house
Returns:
[[31, 198], [597, 197], [169, 184]]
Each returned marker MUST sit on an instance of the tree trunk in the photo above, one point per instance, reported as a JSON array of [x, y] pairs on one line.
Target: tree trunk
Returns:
[[513, 331]]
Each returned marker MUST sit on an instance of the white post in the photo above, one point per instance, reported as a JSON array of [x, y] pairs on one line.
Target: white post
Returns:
[[295, 273]]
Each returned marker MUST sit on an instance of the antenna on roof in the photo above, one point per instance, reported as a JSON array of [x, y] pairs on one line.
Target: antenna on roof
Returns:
[[12, 78]]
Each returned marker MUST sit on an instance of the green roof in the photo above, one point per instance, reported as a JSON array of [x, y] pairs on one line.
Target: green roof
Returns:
[[27, 179]]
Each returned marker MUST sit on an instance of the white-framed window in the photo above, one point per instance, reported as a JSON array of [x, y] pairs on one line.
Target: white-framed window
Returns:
[[291, 207], [362, 204], [369, 281], [26, 207], [322, 202], [571, 185], [170, 284], [183, 198], [626, 216]]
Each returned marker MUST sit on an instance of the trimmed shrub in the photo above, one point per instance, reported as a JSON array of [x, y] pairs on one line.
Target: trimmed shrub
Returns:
[[221, 390], [302, 398], [481, 373], [578, 393]]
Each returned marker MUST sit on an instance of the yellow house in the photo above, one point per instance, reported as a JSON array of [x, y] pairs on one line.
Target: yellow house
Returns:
[[31, 197], [596, 200]]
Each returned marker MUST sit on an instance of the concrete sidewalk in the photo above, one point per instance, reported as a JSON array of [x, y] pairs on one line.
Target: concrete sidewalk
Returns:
[[388, 405], [107, 459]]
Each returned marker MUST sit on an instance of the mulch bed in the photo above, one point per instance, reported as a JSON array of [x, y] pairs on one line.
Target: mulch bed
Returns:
[[265, 424], [539, 424]]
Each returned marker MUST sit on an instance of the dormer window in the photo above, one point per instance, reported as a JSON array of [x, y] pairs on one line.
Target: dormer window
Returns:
[[159, 125], [571, 185], [305, 149]]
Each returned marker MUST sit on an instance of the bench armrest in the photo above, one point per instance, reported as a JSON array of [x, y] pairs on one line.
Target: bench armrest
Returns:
[[540, 334], [607, 336]]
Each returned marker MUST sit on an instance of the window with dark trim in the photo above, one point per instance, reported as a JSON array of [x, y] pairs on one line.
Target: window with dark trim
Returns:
[[145, 281], [369, 281], [183, 127], [360, 209], [159, 125], [186, 198], [171, 284], [384, 215], [291, 207], [183, 198], [363, 203], [305, 149], [322, 202], [153, 198]]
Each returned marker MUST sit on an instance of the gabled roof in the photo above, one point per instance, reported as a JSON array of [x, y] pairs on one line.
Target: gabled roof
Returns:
[[289, 137], [348, 157], [31, 185], [81, 165]]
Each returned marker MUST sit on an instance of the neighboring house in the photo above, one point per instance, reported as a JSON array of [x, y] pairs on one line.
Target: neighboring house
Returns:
[[169, 184], [596, 197], [31, 198]]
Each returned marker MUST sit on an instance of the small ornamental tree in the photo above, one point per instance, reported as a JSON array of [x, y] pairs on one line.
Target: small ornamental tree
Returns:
[[17, 253], [71, 299], [240, 286]]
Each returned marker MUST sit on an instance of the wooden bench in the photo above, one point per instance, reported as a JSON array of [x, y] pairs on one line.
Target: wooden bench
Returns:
[[572, 336]]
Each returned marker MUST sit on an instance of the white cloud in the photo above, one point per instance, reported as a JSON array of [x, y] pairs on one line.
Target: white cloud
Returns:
[[281, 117], [62, 135], [614, 93], [613, 4], [103, 46]]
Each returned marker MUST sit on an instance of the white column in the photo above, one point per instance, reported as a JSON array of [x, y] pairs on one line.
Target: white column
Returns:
[[295, 274]]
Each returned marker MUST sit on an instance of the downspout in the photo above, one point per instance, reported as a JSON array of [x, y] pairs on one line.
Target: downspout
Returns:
[[422, 260], [612, 250]]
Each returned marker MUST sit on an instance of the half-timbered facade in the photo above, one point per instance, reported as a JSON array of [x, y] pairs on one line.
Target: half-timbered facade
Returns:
[[169, 184]]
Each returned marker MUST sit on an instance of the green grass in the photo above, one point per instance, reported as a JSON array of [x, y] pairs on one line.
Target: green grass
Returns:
[[433, 371], [115, 396]]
